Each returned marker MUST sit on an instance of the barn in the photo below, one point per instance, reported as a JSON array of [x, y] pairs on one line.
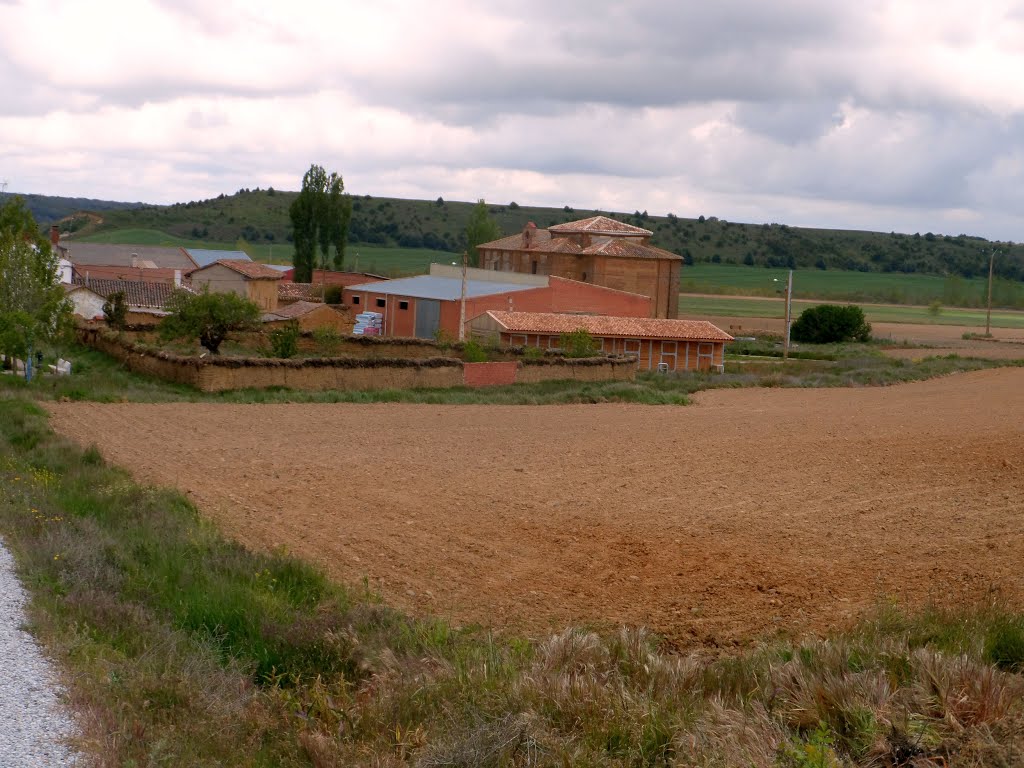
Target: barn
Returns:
[[659, 343], [423, 305], [597, 250]]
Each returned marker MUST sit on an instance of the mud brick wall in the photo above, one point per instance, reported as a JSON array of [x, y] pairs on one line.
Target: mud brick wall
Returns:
[[216, 374]]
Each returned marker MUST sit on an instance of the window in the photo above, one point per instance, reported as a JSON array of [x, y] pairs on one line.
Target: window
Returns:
[[381, 303], [403, 305], [584, 277], [533, 267], [355, 299]]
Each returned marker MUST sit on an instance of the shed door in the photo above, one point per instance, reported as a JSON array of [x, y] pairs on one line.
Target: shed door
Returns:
[[705, 356], [428, 318]]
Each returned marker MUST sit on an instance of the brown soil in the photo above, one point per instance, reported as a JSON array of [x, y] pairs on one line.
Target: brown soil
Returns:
[[752, 511]]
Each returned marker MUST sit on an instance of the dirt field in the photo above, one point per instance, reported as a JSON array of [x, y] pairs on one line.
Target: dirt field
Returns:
[[750, 512]]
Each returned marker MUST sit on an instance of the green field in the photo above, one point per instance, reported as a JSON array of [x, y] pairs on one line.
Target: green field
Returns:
[[363, 258], [837, 285], [726, 306], [720, 279]]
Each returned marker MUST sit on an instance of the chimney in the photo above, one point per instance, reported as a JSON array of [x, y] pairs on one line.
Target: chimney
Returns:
[[528, 232], [54, 235], [177, 278], [135, 260]]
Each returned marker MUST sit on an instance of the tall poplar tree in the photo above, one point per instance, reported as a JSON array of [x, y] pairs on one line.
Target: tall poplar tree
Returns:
[[480, 229], [320, 218]]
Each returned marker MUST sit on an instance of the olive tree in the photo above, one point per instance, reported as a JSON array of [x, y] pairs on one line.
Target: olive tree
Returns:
[[208, 317]]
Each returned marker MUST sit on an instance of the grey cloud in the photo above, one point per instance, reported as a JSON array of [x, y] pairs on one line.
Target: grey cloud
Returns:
[[790, 122]]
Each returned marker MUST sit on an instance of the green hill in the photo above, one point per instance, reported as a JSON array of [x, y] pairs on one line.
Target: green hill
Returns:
[[261, 217], [48, 209]]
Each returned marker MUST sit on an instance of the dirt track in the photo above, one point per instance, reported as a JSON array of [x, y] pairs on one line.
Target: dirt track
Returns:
[[754, 510]]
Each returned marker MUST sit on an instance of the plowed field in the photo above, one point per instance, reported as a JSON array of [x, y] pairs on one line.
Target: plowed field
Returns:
[[749, 512]]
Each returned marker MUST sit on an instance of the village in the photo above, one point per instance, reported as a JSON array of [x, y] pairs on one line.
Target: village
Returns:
[[598, 276]]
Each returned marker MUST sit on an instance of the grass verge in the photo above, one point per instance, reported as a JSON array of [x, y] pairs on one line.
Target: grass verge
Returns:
[[184, 649]]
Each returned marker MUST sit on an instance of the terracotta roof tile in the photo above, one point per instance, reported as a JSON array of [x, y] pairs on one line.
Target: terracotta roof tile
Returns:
[[250, 269], [137, 292], [298, 292], [601, 225], [598, 325], [614, 246], [297, 309], [605, 244]]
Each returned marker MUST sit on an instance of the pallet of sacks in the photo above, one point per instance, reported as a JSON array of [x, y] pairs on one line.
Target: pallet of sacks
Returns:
[[368, 324]]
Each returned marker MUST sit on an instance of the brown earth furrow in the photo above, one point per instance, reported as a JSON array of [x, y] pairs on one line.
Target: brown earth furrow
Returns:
[[750, 512]]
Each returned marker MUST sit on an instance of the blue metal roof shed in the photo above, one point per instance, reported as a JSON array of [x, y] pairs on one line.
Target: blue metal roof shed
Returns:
[[440, 288], [204, 257]]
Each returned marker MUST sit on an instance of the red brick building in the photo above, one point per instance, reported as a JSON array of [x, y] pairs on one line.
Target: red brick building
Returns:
[[597, 250], [420, 306], [668, 344]]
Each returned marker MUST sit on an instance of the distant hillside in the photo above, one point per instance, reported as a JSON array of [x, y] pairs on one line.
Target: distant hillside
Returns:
[[261, 216], [48, 209]]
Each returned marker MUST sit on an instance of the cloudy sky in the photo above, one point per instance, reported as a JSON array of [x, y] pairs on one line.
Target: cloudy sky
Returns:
[[904, 116]]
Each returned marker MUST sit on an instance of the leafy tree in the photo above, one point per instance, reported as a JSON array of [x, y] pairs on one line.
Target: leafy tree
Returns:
[[209, 317], [33, 306], [830, 323], [320, 218], [480, 229], [115, 310]]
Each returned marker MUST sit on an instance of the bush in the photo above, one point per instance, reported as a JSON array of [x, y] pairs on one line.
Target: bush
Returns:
[[327, 339], [115, 310], [284, 341], [830, 323], [1004, 646], [579, 343], [332, 294], [472, 352]]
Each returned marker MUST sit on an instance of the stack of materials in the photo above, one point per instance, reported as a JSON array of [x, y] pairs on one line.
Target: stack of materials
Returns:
[[368, 324]]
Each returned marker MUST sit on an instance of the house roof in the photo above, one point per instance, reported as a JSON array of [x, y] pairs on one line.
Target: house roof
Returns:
[[624, 248], [204, 257], [441, 288], [115, 255], [295, 310], [136, 292], [601, 225], [596, 325], [542, 241], [251, 270], [96, 271], [298, 292], [70, 288]]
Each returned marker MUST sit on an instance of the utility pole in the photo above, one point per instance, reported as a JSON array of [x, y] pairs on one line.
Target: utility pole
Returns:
[[462, 300], [988, 313], [789, 313]]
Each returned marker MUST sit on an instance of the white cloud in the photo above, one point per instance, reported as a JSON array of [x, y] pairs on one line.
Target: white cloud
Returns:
[[870, 114]]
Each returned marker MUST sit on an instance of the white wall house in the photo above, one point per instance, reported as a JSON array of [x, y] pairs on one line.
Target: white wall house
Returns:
[[87, 303]]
